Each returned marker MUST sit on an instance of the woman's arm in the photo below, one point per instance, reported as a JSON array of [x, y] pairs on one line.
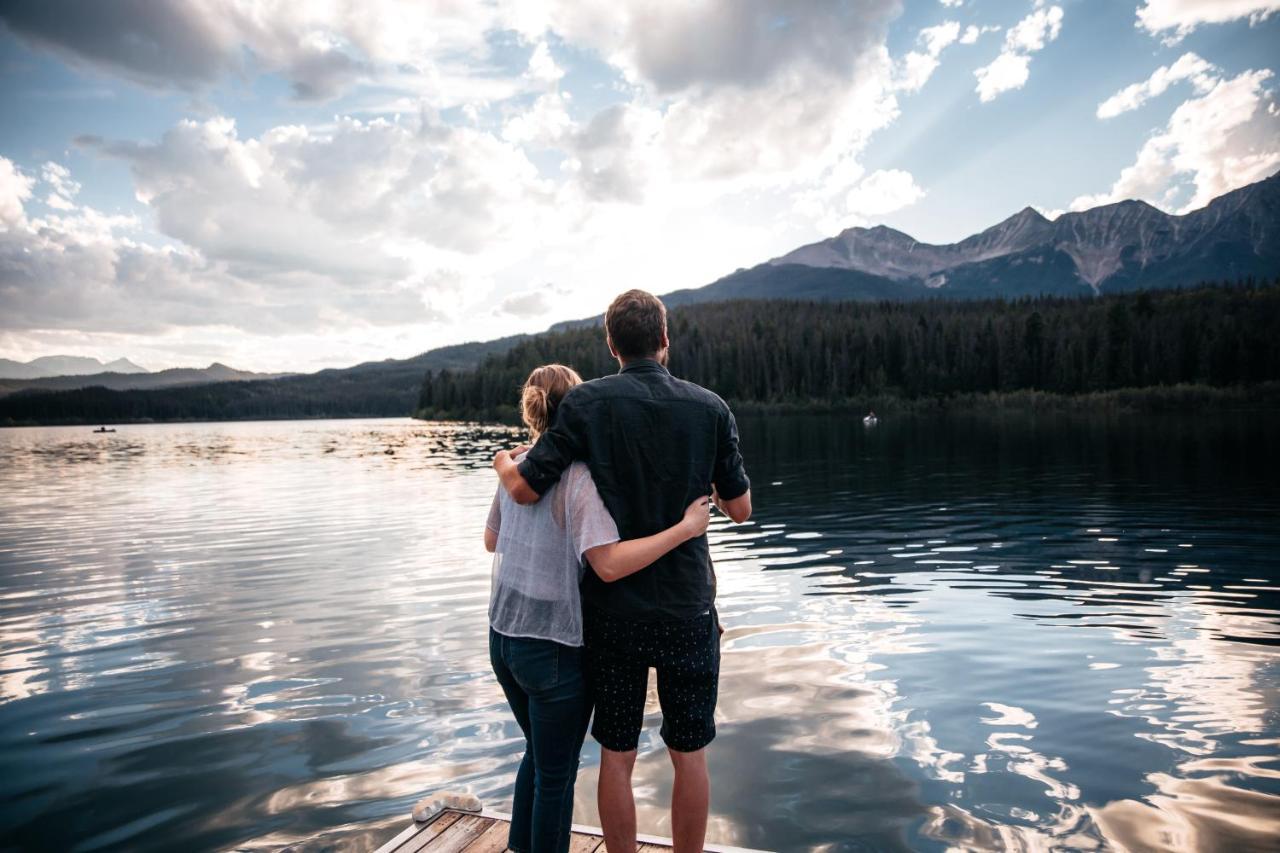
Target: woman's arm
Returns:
[[492, 525], [619, 559]]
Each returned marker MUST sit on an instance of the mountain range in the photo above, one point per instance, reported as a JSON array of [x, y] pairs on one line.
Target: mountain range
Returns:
[[1117, 247], [1125, 246], [119, 379], [371, 389], [63, 365]]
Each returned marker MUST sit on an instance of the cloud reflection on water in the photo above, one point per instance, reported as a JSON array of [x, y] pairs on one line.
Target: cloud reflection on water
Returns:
[[258, 634]]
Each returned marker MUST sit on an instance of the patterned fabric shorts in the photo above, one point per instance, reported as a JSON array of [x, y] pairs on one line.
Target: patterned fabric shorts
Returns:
[[686, 655]]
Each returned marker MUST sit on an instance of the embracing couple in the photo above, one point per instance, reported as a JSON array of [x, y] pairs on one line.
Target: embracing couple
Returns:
[[602, 572]]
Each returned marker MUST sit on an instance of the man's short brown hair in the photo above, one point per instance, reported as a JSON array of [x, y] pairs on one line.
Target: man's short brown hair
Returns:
[[636, 322]]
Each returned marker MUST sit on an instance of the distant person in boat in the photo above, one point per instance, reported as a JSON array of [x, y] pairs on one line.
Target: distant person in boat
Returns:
[[653, 444], [535, 615]]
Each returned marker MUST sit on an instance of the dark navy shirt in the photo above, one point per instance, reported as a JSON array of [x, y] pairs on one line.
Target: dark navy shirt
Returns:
[[653, 444]]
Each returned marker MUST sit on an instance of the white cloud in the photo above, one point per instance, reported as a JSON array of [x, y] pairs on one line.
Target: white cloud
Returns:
[[972, 33], [375, 224], [374, 229], [952, 4], [728, 92], [849, 197], [1203, 76], [1034, 31], [321, 48], [62, 188], [1226, 137], [1183, 16], [82, 269], [361, 200], [1008, 71], [369, 233], [542, 66], [545, 124], [680, 47], [918, 66], [883, 191], [938, 37], [618, 155], [1011, 69], [756, 93], [15, 189], [528, 303]]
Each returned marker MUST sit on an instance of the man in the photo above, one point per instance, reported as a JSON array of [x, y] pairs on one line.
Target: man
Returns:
[[653, 444]]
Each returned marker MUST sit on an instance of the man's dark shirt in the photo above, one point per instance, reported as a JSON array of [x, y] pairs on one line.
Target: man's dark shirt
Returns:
[[653, 443]]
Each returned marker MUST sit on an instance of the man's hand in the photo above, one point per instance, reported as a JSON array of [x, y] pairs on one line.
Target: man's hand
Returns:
[[738, 509], [501, 458], [509, 473]]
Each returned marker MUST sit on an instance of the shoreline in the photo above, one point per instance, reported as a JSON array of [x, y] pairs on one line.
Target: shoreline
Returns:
[[1261, 398]]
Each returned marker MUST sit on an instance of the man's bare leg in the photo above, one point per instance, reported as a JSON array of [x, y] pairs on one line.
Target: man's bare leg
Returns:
[[690, 800], [616, 803]]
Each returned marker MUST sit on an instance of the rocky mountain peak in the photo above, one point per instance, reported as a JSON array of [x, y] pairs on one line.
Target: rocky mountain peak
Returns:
[[1130, 241]]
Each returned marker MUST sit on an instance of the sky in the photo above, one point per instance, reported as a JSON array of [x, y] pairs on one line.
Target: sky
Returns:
[[285, 186]]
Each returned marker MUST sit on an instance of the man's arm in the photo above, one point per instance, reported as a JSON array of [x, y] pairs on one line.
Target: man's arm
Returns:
[[738, 509], [731, 488], [509, 475], [554, 451]]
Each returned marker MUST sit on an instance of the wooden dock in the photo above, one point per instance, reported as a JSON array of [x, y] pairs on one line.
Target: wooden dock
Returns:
[[453, 831]]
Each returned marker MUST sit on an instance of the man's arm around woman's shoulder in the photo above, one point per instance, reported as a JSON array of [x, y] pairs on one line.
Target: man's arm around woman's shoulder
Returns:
[[511, 478]]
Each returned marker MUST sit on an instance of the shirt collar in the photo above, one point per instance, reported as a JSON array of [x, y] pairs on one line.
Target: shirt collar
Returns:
[[642, 365]]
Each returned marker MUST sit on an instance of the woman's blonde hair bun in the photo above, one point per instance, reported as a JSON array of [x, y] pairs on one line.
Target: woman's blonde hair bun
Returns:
[[543, 391]]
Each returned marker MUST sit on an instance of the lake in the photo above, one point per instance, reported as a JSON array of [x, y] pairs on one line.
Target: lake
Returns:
[[944, 632]]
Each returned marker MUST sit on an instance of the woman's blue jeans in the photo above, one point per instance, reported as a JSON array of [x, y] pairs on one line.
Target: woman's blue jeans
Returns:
[[547, 692]]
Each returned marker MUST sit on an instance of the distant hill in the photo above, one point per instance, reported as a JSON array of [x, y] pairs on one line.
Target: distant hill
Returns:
[[64, 365], [387, 388], [119, 381], [1114, 248]]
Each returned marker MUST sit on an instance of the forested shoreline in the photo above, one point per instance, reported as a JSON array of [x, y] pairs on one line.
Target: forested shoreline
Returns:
[[1211, 346], [374, 389], [1214, 345]]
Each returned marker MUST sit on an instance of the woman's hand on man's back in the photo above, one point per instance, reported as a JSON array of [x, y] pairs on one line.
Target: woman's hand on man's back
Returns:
[[697, 517]]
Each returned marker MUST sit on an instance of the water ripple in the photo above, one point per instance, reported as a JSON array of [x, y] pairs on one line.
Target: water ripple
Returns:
[[942, 634]]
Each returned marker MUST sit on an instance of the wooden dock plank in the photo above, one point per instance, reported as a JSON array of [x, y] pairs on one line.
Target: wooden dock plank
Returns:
[[494, 839], [582, 843], [461, 831], [464, 832], [456, 838], [417, 832]]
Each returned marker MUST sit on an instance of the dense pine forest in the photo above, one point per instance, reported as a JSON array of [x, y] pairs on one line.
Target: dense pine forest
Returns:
[[1217, 344], [1172, 343]]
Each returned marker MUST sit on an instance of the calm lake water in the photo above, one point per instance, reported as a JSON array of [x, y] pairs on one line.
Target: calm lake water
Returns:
[[943, 633]]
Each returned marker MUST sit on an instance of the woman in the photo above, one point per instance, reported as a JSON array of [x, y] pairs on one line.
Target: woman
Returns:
[[535, 617]]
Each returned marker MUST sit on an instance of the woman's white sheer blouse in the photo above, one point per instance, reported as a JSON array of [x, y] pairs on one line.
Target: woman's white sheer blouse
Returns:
[[539, 561]]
